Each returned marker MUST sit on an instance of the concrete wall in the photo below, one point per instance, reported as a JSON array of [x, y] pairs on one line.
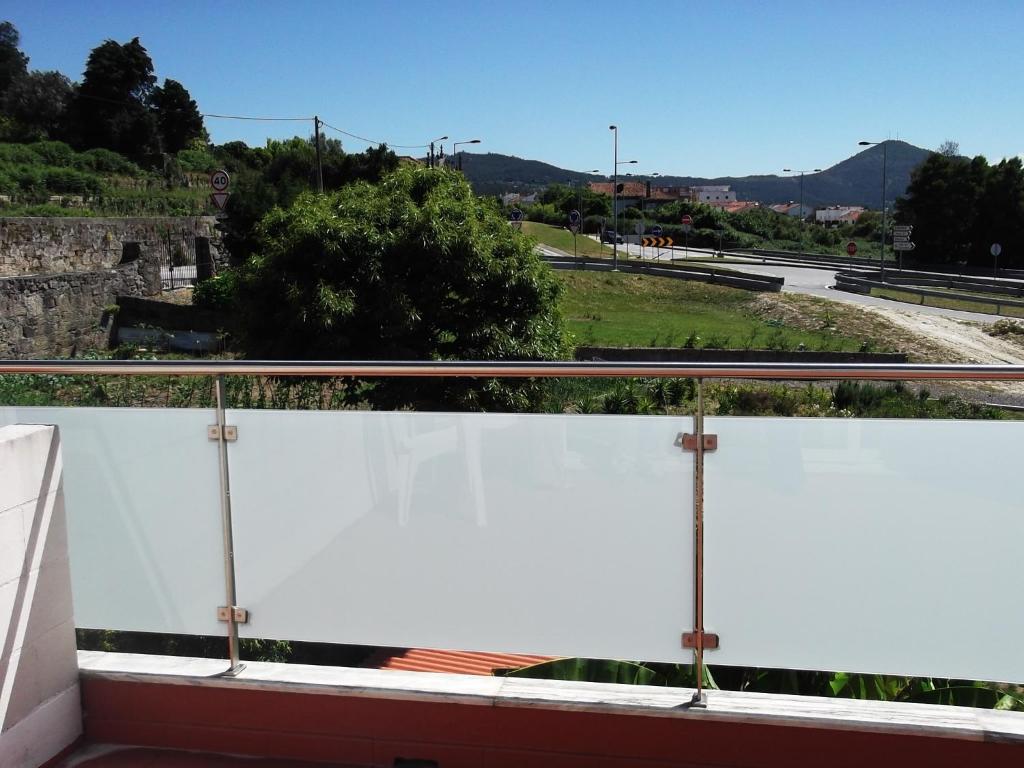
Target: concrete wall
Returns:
[[34, 246], [62, 314], [40, 710]]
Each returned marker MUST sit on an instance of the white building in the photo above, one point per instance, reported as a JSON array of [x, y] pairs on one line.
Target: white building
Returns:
[[838, 214], [713, 194]]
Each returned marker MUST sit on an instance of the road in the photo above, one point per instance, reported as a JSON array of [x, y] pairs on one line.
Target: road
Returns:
[[810, 281]]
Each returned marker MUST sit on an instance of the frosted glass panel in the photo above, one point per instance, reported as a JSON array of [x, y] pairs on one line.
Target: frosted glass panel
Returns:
[[143, 504], [560, 535], [882, 546]]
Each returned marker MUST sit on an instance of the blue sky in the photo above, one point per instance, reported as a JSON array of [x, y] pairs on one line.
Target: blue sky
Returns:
[[710, 88]]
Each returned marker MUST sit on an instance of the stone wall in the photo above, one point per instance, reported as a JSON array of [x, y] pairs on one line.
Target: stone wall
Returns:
[[36, 246], [63, 314]]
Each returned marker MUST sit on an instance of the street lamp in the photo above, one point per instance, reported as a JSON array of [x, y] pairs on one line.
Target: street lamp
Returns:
[[790, 170], [443, 138], [455, 151], [578, 183], [884, 147], [614, 199]]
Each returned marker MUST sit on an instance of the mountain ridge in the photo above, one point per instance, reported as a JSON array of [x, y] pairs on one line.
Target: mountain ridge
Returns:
[[853, 181]]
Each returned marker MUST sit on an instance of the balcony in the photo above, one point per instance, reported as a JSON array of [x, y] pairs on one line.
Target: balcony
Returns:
[[861, 545]]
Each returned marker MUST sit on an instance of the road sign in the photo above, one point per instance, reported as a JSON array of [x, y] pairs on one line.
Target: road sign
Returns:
[[996, 249], [574, 221], [639, 227], [656, 242], [851, 248], [656, 231], [219, 181], [904, 229], [687, 228], [901, 238], [687, 219], [220, 199], [898, 246], [517, 215]]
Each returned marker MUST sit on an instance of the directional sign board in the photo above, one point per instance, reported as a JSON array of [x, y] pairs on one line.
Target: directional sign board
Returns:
[[903, 246], [851, 248], [996, 249], [656, 242], [219, 181]]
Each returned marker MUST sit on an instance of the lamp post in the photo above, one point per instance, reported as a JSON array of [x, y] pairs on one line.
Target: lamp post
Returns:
[[443, 138], [884, 147], [790, 170], [578, 183], [455, 150]]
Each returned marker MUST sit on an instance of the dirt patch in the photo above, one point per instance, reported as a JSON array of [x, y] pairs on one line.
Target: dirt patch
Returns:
[[924, 338]]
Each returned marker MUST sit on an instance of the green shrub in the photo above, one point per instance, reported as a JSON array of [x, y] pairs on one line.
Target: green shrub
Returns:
[[55, 153], [217, 292]]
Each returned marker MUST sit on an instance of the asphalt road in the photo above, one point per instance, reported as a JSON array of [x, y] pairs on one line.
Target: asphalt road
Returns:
[[809, 281]]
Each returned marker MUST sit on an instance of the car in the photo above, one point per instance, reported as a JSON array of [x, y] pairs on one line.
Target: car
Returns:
[[610, 236]]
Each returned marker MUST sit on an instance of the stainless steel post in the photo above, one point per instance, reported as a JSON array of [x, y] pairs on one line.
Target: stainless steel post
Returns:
[[229, 546], [699, 696]]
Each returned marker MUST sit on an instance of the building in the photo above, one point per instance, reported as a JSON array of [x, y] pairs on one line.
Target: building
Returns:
[[734, 206], [835, 215], [713, 194], [793, 209]]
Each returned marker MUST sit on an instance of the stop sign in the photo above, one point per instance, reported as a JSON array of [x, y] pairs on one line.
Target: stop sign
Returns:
[[687, 219], [851, 248]]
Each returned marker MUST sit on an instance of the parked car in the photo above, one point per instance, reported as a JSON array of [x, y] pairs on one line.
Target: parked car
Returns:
[[611, 236]]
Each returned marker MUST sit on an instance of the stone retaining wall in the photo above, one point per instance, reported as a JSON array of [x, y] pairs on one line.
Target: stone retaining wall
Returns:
[[36, 246], [64, 314]]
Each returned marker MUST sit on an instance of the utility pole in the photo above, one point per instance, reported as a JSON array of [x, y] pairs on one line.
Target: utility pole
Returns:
[[319, 162]]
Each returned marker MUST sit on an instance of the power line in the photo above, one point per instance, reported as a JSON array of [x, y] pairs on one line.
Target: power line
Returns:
[[263, 119], [372, 141]]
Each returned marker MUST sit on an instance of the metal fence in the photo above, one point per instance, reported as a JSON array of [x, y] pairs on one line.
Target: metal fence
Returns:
[[177, 259]]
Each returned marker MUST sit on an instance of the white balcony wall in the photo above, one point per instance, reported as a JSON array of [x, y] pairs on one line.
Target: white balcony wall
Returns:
[[144, 521], [548, 534], [881, 546]]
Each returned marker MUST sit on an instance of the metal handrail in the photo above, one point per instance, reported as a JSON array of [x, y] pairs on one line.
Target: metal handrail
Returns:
[[518, 369]]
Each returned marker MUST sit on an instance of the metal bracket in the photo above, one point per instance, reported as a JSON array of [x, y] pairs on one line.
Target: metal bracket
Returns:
[[230, 433], [710, 640], [689, 442], [226, 613]]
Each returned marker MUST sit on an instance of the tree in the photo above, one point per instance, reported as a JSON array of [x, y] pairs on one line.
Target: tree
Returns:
[[36, 104], [13, 63], [949, 148], [177, 116], [413, 268], [112, 106], [277, 174]]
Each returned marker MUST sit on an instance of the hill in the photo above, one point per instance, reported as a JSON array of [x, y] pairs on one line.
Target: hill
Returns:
[[854, 181]]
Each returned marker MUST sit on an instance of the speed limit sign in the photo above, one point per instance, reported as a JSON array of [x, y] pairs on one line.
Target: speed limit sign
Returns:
[[219, 181]]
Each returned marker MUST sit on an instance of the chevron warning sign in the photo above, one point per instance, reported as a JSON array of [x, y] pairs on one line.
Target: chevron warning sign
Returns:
[[656, 242]]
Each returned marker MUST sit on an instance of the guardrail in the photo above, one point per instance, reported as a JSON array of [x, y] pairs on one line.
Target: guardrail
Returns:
[[733, 278], [325, 517], [856, 284]]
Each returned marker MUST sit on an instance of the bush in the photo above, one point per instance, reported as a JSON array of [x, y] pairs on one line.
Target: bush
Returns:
[[106, 162], [217, 292], [70, 180], [53, 153], [413, 268], [197, 161]]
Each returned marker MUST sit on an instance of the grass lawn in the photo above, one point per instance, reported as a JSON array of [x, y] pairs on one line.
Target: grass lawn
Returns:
[[626, 310], [986, 307], [561, 239]]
